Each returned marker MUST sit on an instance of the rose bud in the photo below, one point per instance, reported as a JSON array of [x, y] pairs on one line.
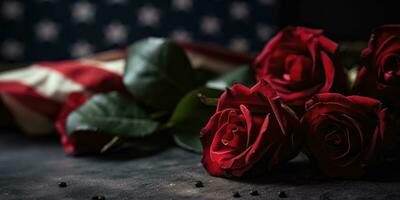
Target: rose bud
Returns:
[[299, 62], [379, 76], [251, 127], [343, 135]]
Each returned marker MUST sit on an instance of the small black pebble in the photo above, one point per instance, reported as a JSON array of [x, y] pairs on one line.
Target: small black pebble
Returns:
[[254, 193], [98, 197], [62, 184], [282, 194], [199, 184], [236, 194]]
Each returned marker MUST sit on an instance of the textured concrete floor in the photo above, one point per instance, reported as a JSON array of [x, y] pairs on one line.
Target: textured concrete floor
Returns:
[[32, 169]]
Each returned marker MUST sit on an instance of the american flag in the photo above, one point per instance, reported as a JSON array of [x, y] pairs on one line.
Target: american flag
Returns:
[[54, 29], [34, 95]]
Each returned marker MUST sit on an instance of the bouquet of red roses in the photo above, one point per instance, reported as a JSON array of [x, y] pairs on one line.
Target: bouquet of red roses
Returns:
[[299, 74], [301, 94]]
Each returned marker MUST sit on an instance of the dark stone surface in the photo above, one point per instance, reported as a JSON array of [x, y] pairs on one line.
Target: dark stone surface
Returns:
[[32, 168]]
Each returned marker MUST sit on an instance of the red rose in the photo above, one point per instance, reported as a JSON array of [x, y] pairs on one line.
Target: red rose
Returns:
[[250, 126], [379, 76], [298, 63], [344, 134], [80, 142]]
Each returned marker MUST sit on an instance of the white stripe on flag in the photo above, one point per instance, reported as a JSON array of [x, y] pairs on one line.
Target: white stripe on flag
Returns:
[[114, 66], [199, 60], [46, 81], [29, 121]]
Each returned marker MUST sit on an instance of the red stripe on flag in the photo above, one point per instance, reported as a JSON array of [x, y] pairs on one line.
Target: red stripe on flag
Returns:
[[30, 98], [89, 76], [218, 53]]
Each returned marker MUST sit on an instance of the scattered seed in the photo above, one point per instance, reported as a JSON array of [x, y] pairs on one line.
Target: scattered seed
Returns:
[[236, 194], [282, 194], [199, 184], [254, 193], [62, 184], [99, 197]]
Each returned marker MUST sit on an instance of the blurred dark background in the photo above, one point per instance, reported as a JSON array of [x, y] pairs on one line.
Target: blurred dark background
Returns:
[[34, 30], [342, 20]]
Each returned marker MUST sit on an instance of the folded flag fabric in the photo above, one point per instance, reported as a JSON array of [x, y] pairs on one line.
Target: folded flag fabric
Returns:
[[35, 94]]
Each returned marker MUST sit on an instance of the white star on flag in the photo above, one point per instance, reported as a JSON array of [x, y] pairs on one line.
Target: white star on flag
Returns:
[[81, 48], [180, 35], [83, 12], [116, 33], [12, 49], [267, 2], [116, 1], [239, 44], [239, 10], [264, 31], [47, 30], [43, 1], [184, 5], [148, 16], [210, 25], [12, 10]]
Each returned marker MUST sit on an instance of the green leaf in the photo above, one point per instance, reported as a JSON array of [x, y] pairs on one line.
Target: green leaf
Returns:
[[348, 54], [158, 73], [204, 75], [111, 114], [190, 116], [243, 74]]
